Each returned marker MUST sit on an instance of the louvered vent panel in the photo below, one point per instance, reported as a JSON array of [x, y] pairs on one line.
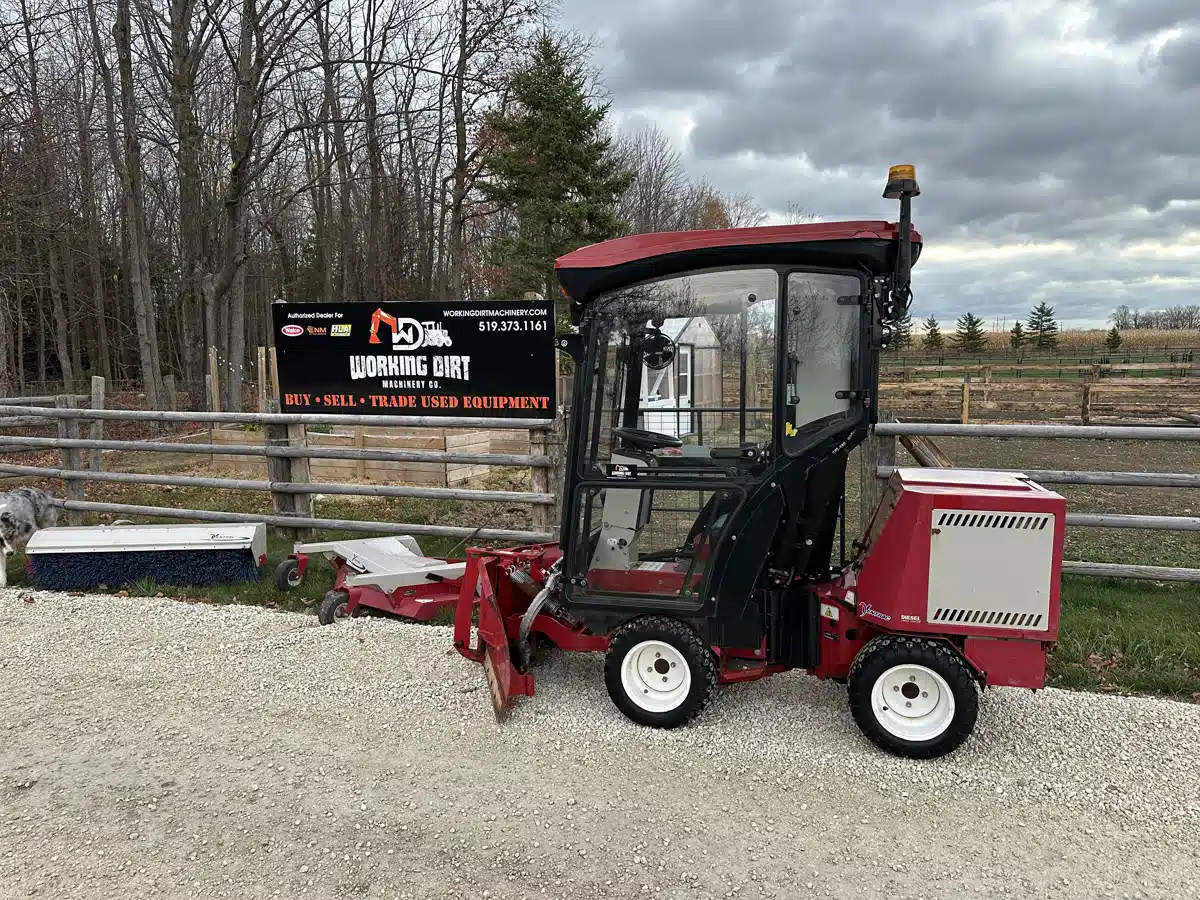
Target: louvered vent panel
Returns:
[[990, 569]]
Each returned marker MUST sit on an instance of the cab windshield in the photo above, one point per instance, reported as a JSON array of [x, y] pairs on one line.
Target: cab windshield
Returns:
[[718, 329]]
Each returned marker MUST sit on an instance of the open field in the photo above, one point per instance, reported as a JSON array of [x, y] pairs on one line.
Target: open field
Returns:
[[1069, 341], [163, 749]]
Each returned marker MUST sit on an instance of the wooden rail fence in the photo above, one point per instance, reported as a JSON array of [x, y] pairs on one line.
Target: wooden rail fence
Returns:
[[1104, 399], [287, 453]]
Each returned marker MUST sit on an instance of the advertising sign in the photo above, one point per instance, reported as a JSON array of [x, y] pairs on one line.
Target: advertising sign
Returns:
[[485, 360]]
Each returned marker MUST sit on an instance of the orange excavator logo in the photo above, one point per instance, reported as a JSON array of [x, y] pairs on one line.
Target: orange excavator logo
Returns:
[[408, 334]]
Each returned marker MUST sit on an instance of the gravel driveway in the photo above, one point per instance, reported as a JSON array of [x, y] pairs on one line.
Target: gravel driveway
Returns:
[[153, 748]]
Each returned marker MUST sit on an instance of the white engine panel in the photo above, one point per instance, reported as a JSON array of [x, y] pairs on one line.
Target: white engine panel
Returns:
[[990, 569]]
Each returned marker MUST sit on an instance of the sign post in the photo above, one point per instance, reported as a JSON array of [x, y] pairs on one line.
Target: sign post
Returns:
[[484, 360]]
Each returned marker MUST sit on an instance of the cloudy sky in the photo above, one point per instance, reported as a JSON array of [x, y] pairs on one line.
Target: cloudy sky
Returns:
[[1057, 144]]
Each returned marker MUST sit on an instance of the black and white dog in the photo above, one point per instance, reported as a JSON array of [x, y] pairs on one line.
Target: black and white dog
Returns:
[[22, 512]]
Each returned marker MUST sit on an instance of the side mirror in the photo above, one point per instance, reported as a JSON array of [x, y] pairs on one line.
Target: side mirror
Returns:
[[570, 343], [657, 350]]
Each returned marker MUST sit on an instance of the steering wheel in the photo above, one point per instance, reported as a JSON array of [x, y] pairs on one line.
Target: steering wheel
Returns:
[[657, 350], [648, 440]]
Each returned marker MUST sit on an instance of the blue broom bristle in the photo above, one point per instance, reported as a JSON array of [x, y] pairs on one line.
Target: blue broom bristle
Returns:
[[175, 568]]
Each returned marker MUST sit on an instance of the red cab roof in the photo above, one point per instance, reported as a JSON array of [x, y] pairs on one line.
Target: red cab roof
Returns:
[[621, 251], [870, 246]]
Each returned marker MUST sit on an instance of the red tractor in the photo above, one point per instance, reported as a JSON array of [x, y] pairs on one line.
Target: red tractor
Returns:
[[722, 380]]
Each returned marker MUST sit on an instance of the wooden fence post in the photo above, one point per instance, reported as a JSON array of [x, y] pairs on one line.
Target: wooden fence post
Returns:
[[539, 479], [169, 385], [69, 429], [214, 391], [966, 399], [1085, 411], [877, 450], [274, 392], [558, 465], [262, 379], [299, 470], [96, 432], [288, 469], [360, 441]]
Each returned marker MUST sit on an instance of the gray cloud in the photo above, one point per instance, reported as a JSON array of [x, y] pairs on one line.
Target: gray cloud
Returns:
[[1180, 60], [1036, 126], [1130, 19]]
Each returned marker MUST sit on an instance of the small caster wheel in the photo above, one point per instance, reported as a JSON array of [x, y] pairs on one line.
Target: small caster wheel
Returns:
[[333, 607], [287, 575]]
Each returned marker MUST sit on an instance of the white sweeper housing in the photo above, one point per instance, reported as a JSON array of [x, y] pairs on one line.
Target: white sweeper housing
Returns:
[[78, 558]]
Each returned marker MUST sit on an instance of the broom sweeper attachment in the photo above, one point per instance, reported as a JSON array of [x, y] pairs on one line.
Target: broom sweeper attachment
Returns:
[[88, 557], [703, 537]]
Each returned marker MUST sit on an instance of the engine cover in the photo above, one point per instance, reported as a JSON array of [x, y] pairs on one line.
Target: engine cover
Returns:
[[964, 552]]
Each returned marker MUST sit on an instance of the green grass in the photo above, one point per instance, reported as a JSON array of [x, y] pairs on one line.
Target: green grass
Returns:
[[1128, 637]]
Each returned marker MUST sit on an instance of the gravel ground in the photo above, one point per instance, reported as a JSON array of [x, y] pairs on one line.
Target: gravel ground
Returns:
[[153, 748]]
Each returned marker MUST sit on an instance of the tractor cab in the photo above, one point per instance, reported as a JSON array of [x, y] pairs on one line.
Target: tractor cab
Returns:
[[722, 379]]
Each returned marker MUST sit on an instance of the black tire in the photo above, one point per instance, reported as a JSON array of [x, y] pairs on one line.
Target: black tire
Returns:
[[677, 706], [942, 731], [333, 607], [287, 575]]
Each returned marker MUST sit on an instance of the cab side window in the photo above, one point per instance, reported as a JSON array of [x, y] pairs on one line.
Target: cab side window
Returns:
[[822, 352]]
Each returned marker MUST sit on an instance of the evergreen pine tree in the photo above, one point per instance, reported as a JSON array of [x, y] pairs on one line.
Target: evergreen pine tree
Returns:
[[1043, 330], [1113, 341], [969, 337], [933, 336], [1016, 337], [552, 167], [902, 332]]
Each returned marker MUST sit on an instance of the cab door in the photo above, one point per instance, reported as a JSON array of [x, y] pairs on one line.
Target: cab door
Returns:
[[646, 513]]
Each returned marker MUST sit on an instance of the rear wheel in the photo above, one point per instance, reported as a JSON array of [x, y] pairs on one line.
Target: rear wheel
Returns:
[[658, 672], [913, 697]]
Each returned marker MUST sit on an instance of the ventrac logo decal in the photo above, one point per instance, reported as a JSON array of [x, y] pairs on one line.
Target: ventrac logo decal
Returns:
[[865, 609]]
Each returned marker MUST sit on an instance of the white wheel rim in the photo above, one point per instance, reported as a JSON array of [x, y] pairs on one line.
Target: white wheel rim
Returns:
[[655, 676], [912, 702]]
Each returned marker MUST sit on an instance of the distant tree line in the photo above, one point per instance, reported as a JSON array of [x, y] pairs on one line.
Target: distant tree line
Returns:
[[170, 168], [1173, 318], [1039, 332]]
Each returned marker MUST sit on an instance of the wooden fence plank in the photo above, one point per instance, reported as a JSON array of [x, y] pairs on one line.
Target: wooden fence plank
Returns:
[[208, 515], [241, 484]]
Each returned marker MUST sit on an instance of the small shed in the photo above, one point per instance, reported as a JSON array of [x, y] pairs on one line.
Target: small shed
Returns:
[[693, 379]]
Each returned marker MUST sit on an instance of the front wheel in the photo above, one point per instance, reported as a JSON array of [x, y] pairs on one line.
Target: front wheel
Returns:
[[913, 697], [658, 672]]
